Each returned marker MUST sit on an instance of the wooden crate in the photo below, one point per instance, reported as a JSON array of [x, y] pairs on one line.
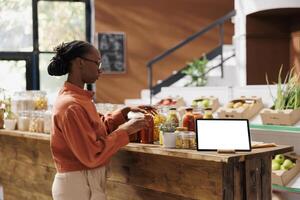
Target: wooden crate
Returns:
[[281, 177], [241, 112], [280, 117], [175, 102], [214, 102]]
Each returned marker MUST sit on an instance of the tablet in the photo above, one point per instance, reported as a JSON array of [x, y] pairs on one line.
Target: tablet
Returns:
[[223, 134]]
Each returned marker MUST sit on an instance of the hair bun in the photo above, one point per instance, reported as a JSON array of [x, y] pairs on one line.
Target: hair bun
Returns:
[[57, 66]]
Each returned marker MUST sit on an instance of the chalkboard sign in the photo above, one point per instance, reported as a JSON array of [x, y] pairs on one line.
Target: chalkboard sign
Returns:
[[112, 48]]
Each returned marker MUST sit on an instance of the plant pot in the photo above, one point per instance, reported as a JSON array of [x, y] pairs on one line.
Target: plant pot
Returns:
[[169, 140], [10, 124]]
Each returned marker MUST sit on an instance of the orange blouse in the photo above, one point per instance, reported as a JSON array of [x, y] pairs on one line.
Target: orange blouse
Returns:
[[80, 137]]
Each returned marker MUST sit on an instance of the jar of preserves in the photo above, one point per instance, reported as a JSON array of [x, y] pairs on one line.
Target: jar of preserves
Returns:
[[188, 120], [192, 140], [180, 131], [172, 117], [147, 133], [159, 119], [208, 114]]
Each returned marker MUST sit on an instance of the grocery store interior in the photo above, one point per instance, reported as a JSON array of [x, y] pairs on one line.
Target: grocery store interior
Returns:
[[195, 62]]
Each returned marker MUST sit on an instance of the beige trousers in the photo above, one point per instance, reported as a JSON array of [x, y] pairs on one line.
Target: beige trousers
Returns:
[[80, 185]]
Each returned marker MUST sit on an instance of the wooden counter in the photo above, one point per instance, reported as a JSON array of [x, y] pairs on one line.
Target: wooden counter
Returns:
[[141, 171]]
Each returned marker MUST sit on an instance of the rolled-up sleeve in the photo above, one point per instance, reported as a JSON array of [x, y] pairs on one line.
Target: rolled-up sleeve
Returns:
[[113, 120], [81, 138]]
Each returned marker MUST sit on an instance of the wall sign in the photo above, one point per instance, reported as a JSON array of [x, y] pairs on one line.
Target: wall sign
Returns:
[[112, 48]]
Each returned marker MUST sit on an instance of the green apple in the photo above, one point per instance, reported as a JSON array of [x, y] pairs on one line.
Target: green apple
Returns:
[[279, 158], [194, 103], [205, 103], [283, 168], [287, 163], [275, 166]]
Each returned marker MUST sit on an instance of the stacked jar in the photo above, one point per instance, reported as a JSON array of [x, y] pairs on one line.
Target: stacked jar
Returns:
[[185, 139], [22, 101], [23, 120], [188, 120], [36, 123], [40, 100]]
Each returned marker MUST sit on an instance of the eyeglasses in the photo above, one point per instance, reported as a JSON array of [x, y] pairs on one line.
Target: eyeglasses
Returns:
[[98, 63]]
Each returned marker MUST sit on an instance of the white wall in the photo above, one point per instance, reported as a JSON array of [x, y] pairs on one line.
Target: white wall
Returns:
[[244, 8]]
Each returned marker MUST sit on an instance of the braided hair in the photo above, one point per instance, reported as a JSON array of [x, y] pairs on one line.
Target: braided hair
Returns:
[[60, 64]]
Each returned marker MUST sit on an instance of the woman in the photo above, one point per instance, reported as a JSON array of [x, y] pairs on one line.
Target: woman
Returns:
[[82, 141]]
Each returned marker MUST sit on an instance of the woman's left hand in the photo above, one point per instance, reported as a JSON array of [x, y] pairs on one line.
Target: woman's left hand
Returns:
[[144, 109]]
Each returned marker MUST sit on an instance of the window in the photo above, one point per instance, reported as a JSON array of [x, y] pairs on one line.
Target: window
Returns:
[[30, 30], [16, 33], [13, 72]]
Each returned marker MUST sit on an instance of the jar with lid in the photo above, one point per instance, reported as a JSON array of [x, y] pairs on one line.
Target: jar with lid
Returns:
[[208, 114], [159, 119], [172, 117], [192, 140], [40, 100], [147, 133], [188, 120], [22, 101], [23, 120], [36, 123], [180, 131]]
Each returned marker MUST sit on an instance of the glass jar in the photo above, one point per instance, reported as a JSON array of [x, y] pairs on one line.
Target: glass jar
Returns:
[[180, 131], [159, 119], [192, 140], [208, 114], [36, 123], [188, 120], [172, 117], [147, 133], [40, 100], [23, 120], [22, 101]]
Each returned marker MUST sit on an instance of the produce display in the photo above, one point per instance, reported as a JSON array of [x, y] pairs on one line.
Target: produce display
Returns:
[[242, 108], [284, 168], [169, 101], [280, 162], [286, 108], [206, 102]]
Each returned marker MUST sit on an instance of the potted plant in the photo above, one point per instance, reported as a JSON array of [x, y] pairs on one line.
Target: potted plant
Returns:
[[197, 72], [10, 119], [168, 135], [286, 108]]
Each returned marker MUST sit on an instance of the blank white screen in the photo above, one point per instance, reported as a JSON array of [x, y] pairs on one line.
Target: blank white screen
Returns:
[[222, 134]]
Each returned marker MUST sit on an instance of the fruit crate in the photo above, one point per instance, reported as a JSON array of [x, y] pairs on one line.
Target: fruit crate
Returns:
[[241, 108], [283, 177], [280, 117], [213, 102], [171, 102]]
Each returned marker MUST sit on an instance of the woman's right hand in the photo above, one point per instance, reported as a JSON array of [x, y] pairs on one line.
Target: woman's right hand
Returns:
[[134, 125]]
